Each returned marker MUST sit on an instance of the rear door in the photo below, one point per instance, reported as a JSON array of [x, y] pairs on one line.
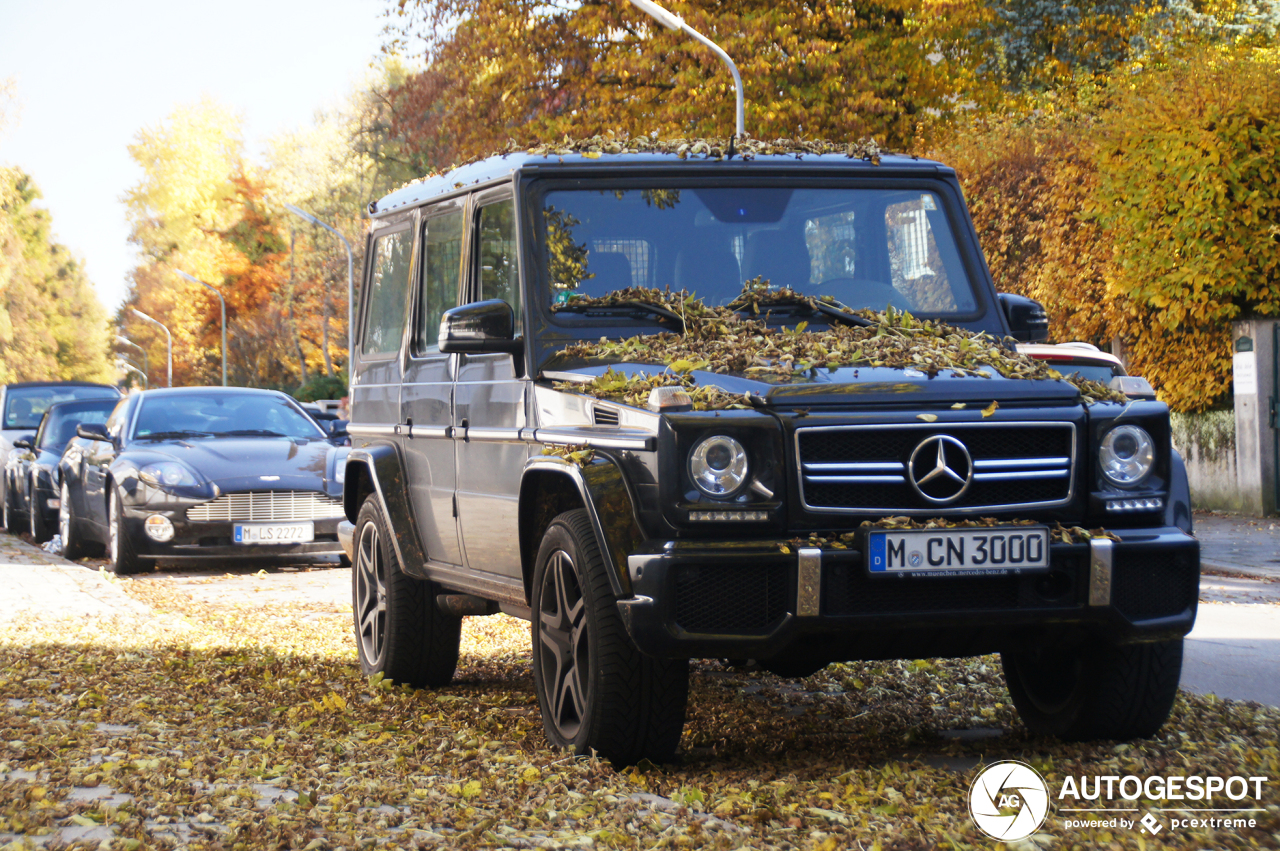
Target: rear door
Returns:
[[426, 395], [489, 401]]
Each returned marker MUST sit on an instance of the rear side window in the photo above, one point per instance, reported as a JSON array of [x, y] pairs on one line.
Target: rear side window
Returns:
[[442, 265], [388, 285], [499, 264]]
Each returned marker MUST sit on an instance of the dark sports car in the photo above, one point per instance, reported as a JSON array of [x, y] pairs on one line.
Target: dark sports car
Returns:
[[201, 472], [31, 485]]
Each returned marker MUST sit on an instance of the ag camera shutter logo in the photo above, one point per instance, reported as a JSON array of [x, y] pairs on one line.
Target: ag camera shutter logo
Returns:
[[1009, 800]]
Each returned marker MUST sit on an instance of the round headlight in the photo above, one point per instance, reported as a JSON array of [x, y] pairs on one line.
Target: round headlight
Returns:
[[167, 474], [718, 465], [1127, 455]]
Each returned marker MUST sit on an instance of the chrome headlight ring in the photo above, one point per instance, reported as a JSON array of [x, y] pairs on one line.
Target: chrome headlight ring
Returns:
[[718, 466], [1126, 455]]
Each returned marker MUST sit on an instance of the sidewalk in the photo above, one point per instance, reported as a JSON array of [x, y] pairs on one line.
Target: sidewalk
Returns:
[[35, 585], [1238, 543]]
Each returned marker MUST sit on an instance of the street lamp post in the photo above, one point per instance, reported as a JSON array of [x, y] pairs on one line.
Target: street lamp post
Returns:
[[146, 361], [672, 21], [350, 274], [145, 317], [214, 290], [121, 363]]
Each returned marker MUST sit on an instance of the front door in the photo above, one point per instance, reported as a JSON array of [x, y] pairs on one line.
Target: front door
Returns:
[[426, 396], [490, 405], [375, 386]]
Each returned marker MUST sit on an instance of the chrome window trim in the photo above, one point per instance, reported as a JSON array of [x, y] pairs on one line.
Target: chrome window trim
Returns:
[[936, 427]]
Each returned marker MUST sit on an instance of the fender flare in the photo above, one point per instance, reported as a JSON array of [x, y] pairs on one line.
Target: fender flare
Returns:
[[603, 489], [382, 465]]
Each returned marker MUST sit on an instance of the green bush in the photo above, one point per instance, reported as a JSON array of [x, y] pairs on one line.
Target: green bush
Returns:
[[322, 387]]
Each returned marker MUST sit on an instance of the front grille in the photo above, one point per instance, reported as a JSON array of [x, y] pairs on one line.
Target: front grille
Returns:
[[262, 506], [731, 598], [1154, 587], [865, 468]]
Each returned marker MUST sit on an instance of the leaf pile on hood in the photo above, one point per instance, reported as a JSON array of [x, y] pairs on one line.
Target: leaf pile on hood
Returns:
[[715, 148], [721, 340]]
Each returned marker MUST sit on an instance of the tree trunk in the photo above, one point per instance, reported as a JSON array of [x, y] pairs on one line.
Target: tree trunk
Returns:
[[293, 322]]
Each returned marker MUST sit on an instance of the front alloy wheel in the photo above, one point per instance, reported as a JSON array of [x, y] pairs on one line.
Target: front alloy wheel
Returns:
[[122, 550], [1094, 690], [596, 690]]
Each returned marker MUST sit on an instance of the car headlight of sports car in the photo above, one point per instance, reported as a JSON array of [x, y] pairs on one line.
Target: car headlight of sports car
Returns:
[[167, 474]]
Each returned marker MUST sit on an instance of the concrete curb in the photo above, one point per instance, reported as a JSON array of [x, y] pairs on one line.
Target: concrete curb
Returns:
[[1222, 568]]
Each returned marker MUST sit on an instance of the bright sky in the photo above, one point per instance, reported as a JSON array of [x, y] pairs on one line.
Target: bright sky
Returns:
[[90, 74]]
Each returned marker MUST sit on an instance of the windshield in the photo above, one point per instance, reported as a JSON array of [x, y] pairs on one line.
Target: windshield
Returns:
[[24, 406], [865, 248], [60, 425], [221, 415]]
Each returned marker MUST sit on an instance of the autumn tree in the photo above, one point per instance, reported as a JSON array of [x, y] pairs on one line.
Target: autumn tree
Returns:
[[52, 326], [811, 68]]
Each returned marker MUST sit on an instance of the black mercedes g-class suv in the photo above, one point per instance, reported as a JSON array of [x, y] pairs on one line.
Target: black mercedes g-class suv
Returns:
[[670, 406]]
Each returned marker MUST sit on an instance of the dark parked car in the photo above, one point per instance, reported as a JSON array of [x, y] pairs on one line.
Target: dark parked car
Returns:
[[23, 404], [764, 493], [198, 473], [31, 481]]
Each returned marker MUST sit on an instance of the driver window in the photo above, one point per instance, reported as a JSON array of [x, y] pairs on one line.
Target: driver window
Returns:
[[499, 271]]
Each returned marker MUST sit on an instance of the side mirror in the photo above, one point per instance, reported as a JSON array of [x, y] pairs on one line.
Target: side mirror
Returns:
[[1028, 322], [480, 327], [92, 431], [24, 442], [337, 428]]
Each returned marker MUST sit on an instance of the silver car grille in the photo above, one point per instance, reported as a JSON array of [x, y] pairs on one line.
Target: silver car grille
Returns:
[[863, 469], [267, 506]]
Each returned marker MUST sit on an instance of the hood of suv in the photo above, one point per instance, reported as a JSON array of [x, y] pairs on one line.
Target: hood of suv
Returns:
[[860, 386]]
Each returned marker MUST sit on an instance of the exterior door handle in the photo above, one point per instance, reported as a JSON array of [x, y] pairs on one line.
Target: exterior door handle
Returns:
[[462, 428]]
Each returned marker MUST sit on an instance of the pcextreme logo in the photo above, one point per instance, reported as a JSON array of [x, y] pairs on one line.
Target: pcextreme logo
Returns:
[[1009, 800]]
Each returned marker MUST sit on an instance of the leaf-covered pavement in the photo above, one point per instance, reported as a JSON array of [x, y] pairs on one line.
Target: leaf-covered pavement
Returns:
[[209, 725]]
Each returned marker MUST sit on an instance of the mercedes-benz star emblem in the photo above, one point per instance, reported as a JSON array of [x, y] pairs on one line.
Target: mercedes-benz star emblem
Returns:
[[940, 469]]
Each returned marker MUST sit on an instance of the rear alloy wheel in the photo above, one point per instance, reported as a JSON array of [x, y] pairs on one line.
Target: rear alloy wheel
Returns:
[[72, 546], [400, 632], [121, 550], [1096, 690], [596, 690]]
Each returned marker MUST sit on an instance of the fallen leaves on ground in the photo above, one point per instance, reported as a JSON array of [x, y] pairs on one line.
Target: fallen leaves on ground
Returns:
[[218, 726]]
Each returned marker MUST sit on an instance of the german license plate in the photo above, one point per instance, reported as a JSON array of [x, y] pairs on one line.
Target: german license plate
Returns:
[[996, 551], [275, 533]]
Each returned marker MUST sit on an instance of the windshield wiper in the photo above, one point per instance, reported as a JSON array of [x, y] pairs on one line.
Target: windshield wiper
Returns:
[[249, 432], [645, 306], [170, 435], [813, 306]]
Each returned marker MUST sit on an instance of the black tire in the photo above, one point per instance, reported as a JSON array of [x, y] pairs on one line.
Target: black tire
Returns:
[[596, 690], [121, 549], [1096, 690], [40, 531], [399, 630], [72, 546]]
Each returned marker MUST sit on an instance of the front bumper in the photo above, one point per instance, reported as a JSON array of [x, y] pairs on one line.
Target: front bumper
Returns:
[[753, 600], [214, 539]]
